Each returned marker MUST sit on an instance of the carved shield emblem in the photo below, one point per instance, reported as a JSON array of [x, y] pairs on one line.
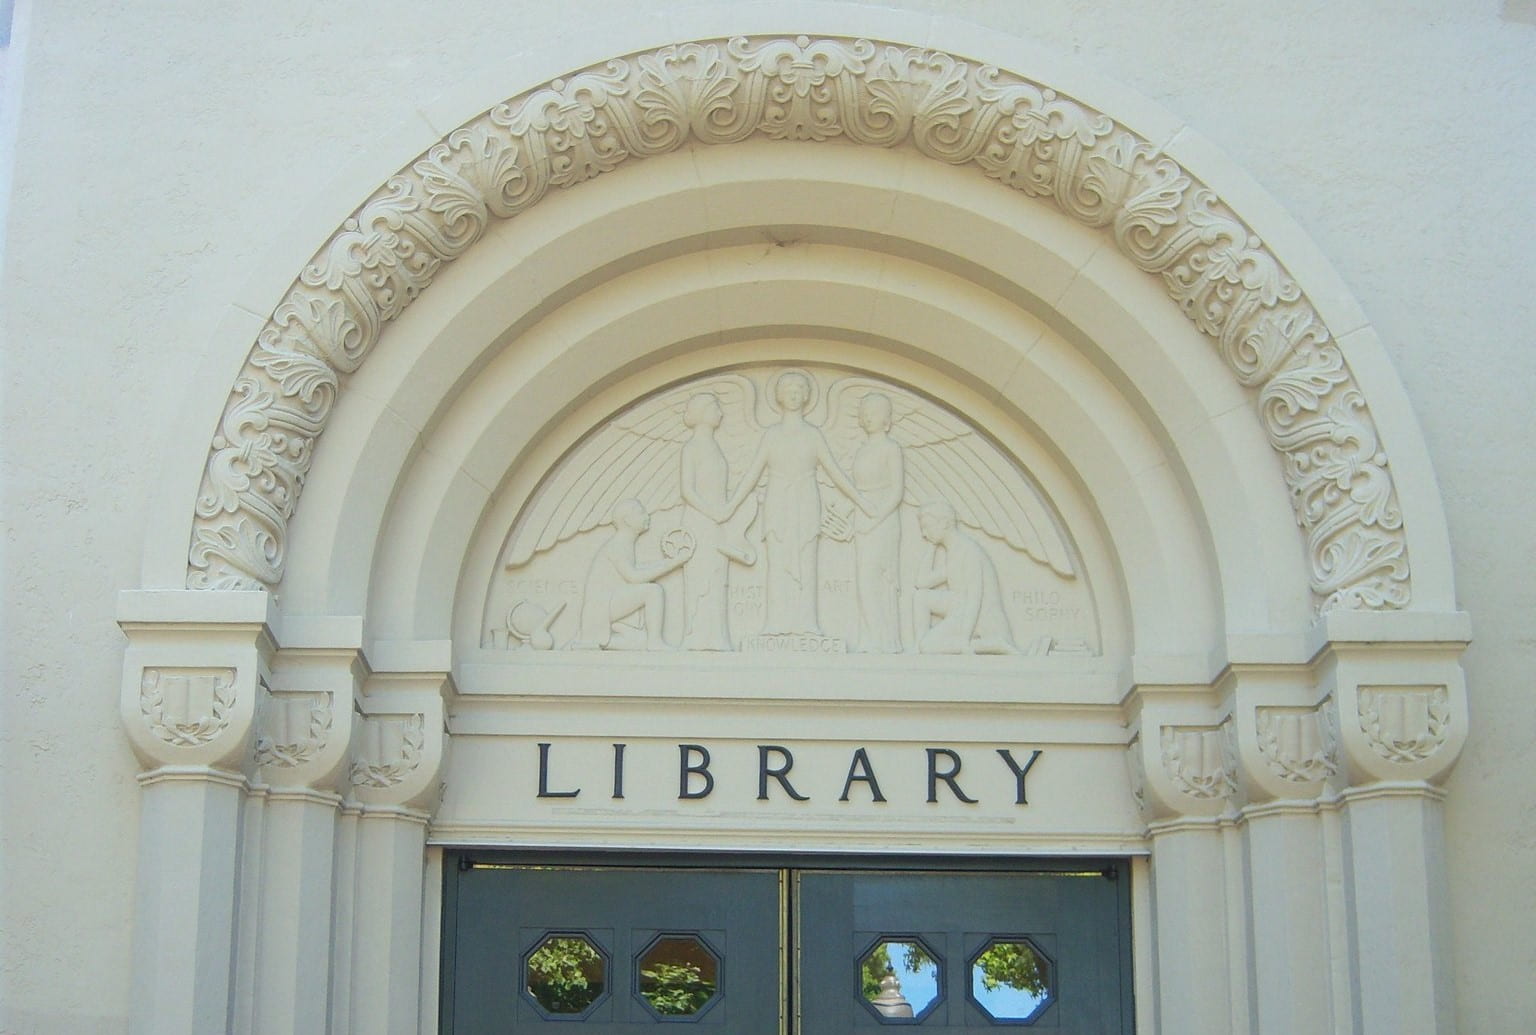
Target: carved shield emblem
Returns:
[[187, 707]]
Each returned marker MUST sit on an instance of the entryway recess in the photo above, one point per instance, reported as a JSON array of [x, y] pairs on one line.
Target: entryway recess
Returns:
[[793, 945]]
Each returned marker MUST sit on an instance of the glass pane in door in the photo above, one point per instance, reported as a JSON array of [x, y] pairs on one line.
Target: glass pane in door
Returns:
[[953, 951], [565, 949]]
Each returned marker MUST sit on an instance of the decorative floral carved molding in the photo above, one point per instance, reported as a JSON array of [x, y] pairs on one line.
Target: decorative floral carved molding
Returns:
[[388, 750], [1020, 133], [1300, 745], [1201, 761], [292, 728], [187, 707], [1404, 723]]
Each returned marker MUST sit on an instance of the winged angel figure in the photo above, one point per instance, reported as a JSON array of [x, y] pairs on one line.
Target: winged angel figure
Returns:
[[745, 473]]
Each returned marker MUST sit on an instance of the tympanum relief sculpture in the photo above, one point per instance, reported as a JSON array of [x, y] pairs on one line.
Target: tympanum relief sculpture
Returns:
[[789, 509]]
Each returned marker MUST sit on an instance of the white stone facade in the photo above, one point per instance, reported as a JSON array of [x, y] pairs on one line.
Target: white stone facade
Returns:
[[336, 339]]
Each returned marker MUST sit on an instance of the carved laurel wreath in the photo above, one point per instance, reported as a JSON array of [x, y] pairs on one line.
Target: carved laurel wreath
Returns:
[[290, 753], [1272, 726], [1201, 761], [186, 730], [387, 772], [1020, 133], [1389, 723]]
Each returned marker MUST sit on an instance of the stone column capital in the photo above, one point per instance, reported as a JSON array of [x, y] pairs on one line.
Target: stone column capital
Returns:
[[400, 741], [305, 719], [1286, 732], [1182, 757], [193, 672], [1401, 710]]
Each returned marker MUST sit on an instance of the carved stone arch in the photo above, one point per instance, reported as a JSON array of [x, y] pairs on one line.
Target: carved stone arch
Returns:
[[1271, 726], [680, 315], [1025, 135]]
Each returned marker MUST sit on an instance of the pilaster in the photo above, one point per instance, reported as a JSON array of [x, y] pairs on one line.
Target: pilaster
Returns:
[[1294, 811], [394, 779], [304, 729], [192, 673], [1183, 770], [1287, 750], [1401, 703]]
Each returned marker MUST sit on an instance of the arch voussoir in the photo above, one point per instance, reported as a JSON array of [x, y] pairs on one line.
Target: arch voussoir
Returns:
[[1022, 134]]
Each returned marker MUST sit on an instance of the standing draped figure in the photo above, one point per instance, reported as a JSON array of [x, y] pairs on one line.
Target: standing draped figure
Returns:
[[704, 471], [789, 455], [879, 473]]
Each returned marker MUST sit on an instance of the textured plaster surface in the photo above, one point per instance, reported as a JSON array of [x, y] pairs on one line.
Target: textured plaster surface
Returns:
[[161, 148]]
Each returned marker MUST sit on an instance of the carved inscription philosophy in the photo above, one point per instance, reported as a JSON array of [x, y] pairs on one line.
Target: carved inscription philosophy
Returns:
[[789, 510]]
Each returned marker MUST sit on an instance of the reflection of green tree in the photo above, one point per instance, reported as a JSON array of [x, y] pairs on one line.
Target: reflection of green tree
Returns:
[[914, 959], [1012, 965], [565, 975], [676, 989]]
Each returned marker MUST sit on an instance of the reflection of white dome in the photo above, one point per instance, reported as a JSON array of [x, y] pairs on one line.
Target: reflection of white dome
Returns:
[[890, 1002]]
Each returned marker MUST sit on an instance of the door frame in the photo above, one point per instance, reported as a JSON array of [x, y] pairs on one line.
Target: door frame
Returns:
[[460, 859]]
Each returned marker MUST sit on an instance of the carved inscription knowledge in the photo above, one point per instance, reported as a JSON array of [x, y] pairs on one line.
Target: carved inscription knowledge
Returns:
[[789, 510]]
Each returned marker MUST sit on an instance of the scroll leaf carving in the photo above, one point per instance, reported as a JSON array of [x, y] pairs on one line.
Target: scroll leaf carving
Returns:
[[187, 707], [1404, 723], [389, 749], [1020, 133], [1298, 744], [577, 128], [1201, 761]]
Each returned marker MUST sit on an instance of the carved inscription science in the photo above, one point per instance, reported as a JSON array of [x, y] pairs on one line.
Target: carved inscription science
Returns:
[[789, 510]]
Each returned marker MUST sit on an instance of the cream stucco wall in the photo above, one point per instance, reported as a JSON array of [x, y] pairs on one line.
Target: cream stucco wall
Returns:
[[169, 158]]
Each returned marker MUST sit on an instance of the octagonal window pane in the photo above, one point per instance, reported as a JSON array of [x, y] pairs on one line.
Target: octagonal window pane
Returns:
[[1011, 980], [679, 975], [566, 974], [899, 979]]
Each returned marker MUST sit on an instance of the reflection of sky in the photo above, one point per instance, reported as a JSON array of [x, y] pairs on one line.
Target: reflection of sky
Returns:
[[1004, 1001], [919, 987]]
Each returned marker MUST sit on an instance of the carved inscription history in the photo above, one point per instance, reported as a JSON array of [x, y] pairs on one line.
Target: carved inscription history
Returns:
[[789, 510]]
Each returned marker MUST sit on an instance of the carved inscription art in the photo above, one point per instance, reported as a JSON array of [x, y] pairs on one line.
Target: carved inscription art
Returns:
[[788, 510], [1404, 723], [187, 707], [1020, 133]]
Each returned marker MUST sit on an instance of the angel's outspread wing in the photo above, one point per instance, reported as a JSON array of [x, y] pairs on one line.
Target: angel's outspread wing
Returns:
[[945, 459], [633, 456]]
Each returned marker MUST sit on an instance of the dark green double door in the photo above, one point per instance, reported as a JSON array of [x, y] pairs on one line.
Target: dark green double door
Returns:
[[825, 948]]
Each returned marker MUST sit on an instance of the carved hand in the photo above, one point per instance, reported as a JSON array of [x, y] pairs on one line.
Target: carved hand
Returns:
[[837, 525]]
